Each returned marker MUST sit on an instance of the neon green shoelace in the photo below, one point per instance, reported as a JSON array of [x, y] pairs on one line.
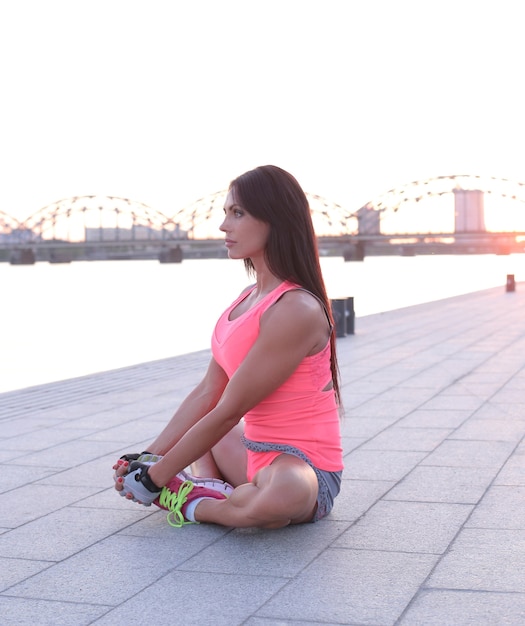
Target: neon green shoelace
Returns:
[[174, 503]]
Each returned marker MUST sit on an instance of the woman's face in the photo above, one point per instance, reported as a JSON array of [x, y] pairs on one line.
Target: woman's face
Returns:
[[246, 236]]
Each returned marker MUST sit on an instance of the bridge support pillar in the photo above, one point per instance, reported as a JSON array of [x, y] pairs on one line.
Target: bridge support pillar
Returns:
[[171, 255], [354, 252], [24, 256]]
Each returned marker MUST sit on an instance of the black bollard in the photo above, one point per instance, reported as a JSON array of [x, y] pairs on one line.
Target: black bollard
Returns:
[[511, 283], [339, 313], [350, 316], [344, 316]]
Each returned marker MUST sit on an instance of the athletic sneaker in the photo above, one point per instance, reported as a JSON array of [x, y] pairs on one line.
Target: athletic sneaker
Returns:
[[178, 493], [215, 484]]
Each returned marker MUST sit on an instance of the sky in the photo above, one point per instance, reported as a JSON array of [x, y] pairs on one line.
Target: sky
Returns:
[[165, 101]]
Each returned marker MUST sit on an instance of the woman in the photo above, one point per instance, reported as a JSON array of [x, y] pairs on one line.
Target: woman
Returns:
[[265, 416]]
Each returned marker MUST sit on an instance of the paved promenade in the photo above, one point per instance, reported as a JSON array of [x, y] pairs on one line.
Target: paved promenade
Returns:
[[428, 530]]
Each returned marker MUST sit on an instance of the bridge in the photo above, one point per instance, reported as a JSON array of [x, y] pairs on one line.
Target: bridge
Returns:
[[442, 215]]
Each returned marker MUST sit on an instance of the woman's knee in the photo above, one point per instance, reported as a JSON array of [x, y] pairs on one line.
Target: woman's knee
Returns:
[[280, 494], [288, 488]]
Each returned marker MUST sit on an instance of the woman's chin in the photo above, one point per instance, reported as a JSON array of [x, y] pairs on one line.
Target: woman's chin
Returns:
[[233, 255]]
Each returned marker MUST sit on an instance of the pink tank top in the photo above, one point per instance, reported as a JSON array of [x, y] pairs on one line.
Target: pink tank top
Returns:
[[299, 413]]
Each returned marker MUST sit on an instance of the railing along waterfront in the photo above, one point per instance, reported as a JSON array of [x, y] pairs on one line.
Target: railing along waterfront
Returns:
[[351, 247]]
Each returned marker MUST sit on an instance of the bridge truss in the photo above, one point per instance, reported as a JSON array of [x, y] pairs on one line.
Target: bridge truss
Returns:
[[428, 205], [111, 218], [418, 207]]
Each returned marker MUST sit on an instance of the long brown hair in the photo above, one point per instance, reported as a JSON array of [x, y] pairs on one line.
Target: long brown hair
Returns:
[[272, 195]]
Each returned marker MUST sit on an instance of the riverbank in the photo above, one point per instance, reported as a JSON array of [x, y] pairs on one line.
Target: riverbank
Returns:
[[429, 527]]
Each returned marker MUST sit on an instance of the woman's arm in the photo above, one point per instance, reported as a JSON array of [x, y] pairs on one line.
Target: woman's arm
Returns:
[[290, 330], [196, 405]]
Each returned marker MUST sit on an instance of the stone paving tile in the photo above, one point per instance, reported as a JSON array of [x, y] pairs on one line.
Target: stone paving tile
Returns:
[[513, 472], [67, 454], [128, 433], [480, 454], [454, 402], [428, 418], [13, 571], [400, 393], [39, 440], [353, 400], [65, 412], [484, 560], [9, 455], [381, 464], [155, 526], [110, 571], [424, 527], [491, 430], [465, 608], [95, 474], [478, 390], [105, 499], [501, 507], [351, 587], [14, 476], [513, 411], [357, 496], [509, 396], [462, 485], [229, 599], [351, 443], [364, 427], [407, 439], [59, 535], [26, 611], [490, 410], [433, 381], [252, 552], [377, 408], [32, 501], [16, 427], [112, 419], [262, 621]]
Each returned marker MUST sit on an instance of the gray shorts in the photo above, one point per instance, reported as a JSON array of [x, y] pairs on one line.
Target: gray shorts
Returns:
[[329, 482]]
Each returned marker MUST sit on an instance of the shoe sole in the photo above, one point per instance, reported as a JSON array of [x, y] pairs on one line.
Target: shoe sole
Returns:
[[215, 484]]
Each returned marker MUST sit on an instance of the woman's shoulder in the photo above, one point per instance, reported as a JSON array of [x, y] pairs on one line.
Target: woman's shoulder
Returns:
[[296, 321], [300, 295], [299, 304]]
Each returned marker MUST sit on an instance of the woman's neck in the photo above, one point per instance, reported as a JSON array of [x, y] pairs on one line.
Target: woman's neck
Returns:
[[266, 281]]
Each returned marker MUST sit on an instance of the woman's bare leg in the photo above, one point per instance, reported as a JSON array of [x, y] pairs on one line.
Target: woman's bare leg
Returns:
[[283, 493], [227, 460]]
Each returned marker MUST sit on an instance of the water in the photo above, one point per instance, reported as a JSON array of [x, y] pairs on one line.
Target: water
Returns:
[[62, 321]]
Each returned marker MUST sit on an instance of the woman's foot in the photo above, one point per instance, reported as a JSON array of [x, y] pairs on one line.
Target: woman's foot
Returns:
[[137, 485], [181, 497]]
